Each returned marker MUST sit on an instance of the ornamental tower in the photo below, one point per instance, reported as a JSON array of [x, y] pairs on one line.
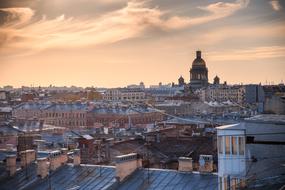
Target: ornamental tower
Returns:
[[198, 72]]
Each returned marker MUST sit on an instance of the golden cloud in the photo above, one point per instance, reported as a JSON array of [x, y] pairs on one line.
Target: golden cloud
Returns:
[[21, 34]]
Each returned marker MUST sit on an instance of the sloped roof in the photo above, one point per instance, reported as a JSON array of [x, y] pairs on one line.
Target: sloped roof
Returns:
[[156, 179], [96, 177], [66, 177]]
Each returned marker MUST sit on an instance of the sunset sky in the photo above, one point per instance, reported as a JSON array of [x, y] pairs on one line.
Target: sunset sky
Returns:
[[114, 43]]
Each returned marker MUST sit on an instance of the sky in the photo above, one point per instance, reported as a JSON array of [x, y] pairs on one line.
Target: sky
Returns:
[[112, 43]]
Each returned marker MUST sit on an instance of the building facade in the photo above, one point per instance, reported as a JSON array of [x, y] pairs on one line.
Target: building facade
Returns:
[[58, 114], [223, 93], [124, 94], [66, 114]]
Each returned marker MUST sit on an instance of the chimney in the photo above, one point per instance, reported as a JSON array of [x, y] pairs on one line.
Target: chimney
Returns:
[[63, 155], [41, 124], [11, 164], [42, 167], [185, 164], [198, 54], [55, 160], [126, 165], [76, 157], [206, 163], [27, 157]]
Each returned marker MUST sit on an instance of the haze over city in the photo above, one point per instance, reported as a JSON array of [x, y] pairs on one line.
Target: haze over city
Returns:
[[142, 94], [114, 43]]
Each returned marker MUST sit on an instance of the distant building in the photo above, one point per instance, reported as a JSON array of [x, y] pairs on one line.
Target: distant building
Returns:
[[141, 85], [121, 116], [198, 72], [162, 92], [253, 93], [5, 97], [216, 80], [58, 114], [124, 94], [274, 99], [28, 96], [223, 93], [197, 108], [275, 104], [181, 81], [30, 110], [5, 113], [66, 114], [251, 153]]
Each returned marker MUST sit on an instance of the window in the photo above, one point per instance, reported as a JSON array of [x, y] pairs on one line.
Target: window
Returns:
[[220, 145], [241, 145], [228, 148], [234, 145]]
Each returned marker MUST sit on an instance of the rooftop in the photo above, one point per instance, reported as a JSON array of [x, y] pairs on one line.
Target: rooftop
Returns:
[[156, 179], [267, 118], [103, 177], [68, 106], [33, 106]]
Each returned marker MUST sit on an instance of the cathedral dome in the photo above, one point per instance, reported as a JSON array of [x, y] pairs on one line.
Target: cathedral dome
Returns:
[[198, 61], [198, 72]]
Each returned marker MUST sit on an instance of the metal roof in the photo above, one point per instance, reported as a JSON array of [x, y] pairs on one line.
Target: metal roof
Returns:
[[156, 179], [33, 106], [68, 107], [81, 177], [96, 177], [66, 177]]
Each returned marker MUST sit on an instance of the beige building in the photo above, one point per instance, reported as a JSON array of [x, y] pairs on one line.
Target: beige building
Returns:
[[124, 94], [72, 115], [223, 93], [58, 114]]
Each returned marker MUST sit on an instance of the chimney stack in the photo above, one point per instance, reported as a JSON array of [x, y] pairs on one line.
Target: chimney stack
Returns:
[[206, 163], [76, 157], [126, 165], [11, 164], [55, 160], [41, 124], [27, 157], [42, 167], [185, 164], [64, 157]]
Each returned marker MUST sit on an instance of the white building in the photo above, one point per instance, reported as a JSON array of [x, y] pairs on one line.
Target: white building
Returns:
[[124, 94], [252, 153]]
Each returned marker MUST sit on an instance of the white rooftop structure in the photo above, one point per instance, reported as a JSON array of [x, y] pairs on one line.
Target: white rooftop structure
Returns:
[[251, 151]]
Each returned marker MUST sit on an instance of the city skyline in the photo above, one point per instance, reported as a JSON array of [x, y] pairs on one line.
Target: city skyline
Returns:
[[116, 43]]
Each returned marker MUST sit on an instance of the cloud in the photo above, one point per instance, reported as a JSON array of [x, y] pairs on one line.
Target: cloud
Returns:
[[17, 16], [220, 10], [21, 33], [275, 5], [17, 3], [251, 54]]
